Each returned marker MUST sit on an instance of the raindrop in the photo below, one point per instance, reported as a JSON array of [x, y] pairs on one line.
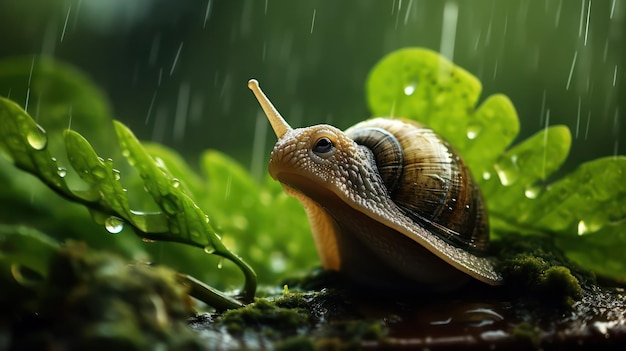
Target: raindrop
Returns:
[[220, 263], [209, 249], [532, 192], [116, 174], [507, 170], [170, 204], [180, 48], [114, 224], [207, 13], [448, 30], [587, 227], [587, 24], [62, 172], [313, 20], [473, 130], [37, 138], [175, 182], [67, 16], [99, 172], [277, 262], [486, 175], [571, 71], [409, 89]]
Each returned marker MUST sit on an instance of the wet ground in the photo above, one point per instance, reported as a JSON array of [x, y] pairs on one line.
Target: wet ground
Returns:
[[481, 318]]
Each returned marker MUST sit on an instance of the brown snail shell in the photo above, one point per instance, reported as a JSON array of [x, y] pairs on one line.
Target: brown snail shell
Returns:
[[390, 203]]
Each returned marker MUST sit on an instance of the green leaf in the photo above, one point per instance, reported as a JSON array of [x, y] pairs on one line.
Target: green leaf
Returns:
[[517, 175], [27, 247], [584, 209], [180, 219], [422, 85], [601, 252], [58, 96]]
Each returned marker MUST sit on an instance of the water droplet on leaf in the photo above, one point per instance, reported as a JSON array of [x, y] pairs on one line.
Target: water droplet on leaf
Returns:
[[220, 263], [175, 182], [170, 204], [62, 172], [588, 227], [409, 89], [99, 172], [114, 224], [473, 131], [507, 170], [532, 192], [37, 138], [209, 249]]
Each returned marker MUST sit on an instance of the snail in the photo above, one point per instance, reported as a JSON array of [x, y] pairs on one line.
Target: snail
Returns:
[[391, 205]]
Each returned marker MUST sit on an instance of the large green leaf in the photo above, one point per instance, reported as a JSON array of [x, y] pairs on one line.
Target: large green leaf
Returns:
[[179, 219], [583, 209]]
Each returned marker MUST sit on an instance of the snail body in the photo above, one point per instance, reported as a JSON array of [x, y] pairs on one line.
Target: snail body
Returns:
[[390, 203]]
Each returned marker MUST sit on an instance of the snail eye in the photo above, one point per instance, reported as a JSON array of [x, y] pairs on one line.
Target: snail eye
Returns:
[[323, 145]]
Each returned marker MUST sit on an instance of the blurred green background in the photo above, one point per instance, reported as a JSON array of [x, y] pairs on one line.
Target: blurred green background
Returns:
[[176, 71]]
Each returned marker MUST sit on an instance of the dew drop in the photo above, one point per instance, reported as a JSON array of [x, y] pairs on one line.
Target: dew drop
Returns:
[[473, 131], [507, 170], [114, 224], [53, 159], [99, 172], [209, 249], [220, 263], [62, 172], [532, 192], [170, 204], [588, 227], [175, 182], [278, 263], [116, 174], [125, 152], [37, 138], [409, 89], [486, 175]]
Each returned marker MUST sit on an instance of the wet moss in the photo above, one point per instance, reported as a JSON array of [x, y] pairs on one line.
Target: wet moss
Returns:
[[527, 333], [534, 268], [99, 301], [268, 317]]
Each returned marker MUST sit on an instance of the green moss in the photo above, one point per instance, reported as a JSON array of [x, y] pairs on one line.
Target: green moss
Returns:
[[534, 267], [527, 333], [98, 301], [282, 316]]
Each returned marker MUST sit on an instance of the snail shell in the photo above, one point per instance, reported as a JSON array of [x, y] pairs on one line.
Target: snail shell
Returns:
[[390, 203]]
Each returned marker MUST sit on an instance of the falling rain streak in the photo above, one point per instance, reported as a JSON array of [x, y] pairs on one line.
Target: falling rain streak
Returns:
[[571, 70], [67, 17], [182, 107], [587, 24], [313, 20], [30, 78], [180, 48], [207, 13], [448, 30]]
